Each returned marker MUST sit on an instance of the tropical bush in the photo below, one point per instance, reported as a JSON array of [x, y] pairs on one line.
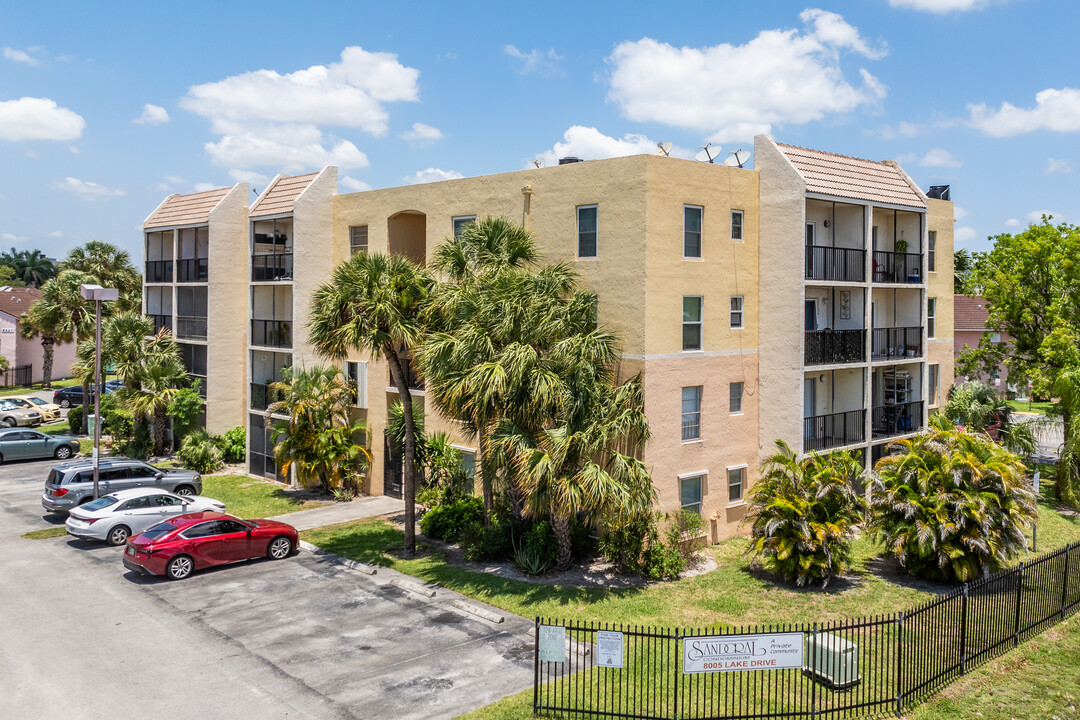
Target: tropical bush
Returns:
[[184, 408], [233, 444], [634, 547], [491, 541], [74, 418], [140, 445], [953, 505], [979, 408], [447, 521], [804, 513], [199, 452]]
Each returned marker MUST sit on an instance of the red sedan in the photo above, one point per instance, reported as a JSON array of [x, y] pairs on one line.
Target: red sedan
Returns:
[[179, 546]]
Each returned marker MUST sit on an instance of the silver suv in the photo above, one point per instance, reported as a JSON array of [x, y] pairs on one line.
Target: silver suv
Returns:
[[71, 484]]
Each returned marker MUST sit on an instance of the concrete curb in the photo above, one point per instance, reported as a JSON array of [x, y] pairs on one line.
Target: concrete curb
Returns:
[[480, 612], [412, 587], [354, 564]]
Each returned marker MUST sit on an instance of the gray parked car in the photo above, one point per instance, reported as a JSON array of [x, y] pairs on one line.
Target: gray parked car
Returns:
[[18, 444], [71, 484]]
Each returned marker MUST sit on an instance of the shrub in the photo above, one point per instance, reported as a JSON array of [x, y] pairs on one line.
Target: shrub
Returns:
[[115, 419], [633, 545], [184, 408], [74, 418], [538, 550], [684, 534], [448, 521], [232, 445], [952, 505], [804, 514], [199, 452], [491, 542], [140, 445]]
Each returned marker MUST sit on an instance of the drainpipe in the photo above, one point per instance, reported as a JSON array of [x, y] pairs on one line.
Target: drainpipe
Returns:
[[526, 203]]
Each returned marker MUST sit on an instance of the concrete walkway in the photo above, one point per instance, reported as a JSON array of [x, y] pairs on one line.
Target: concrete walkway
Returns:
[[342, 512]]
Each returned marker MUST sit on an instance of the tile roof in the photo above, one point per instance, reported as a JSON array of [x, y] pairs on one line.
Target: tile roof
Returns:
[[17, 300], [855, 178], [969, 312], [191, 209], [278, 198]]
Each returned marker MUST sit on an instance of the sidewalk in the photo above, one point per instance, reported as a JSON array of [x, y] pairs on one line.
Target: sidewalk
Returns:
[[342, 512]]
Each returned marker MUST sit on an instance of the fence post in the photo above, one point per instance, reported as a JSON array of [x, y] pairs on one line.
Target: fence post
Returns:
[[814, 669], [1019, 592], [536, 667], [899, 664], [1065, 581], [963, 632], [675, 667]]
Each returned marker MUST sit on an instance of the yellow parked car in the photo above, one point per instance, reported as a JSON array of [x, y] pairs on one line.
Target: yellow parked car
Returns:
[[49, 411]]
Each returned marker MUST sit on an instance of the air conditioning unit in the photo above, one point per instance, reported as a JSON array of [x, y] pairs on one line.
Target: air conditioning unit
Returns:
[[832, 660]]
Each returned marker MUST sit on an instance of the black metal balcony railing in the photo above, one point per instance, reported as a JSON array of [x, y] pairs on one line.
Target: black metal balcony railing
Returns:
[[263, 397], [159, 271], [271, 333], [193, 270], [161, 322], [266, 268], [414, 382], [896, 343], [894, 267], [822, 432], [835, 263], [191, 327], [892, 419], [827, 347]]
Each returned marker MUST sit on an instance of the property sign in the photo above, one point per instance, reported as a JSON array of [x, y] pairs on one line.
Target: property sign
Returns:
[[729, 653], [609, 648], [552, 643]]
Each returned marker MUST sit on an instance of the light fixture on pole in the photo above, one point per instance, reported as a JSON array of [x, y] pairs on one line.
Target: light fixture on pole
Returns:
[[97, 294]]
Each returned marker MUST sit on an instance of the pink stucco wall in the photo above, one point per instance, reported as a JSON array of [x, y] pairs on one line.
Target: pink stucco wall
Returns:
[[29, 352]]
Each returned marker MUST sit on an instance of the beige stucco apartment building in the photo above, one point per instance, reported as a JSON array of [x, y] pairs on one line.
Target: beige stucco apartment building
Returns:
[[757, 304]]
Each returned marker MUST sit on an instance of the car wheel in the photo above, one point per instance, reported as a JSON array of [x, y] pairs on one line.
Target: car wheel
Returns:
[[65, 403], [10, 422], [180, 567], [185, 491], [118, 535], [279, 548], [62, 453]]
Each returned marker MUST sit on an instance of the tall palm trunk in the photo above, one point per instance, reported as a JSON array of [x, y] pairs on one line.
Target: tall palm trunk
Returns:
[[160, 418], [88, 406], [408, 480], [560, 526], [487, 473], [47, 344]]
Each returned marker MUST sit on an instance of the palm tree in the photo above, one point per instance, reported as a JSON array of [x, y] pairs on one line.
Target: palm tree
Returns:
[[980, 408], [110, 267], [30, 266], [159, 375], [59, 316], [804, 514], [1067, 389], [375, 303]]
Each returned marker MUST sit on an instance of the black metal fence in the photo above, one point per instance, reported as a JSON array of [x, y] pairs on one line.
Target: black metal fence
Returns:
[[895, 267], [867, 667], [822, 432], [896, 343], [835, 263], [828, 347], [20, 375]]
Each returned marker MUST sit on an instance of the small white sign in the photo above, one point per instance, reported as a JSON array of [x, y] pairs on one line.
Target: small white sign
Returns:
[[552, 643], [1036, 482], [730, 653], [609, 648]]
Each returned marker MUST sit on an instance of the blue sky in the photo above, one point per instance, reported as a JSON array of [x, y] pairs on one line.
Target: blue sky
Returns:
[[106, 108]]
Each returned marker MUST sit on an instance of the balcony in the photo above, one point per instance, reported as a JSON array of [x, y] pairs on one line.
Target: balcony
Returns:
[[190, 327], [271, 333], [823, 432], [835, 263], [895, 267], [269, 268], [892, 419], [263, 397], [896, 343], [161, 322], [414, 382], [159, 271], [193, 270], [829, 347]]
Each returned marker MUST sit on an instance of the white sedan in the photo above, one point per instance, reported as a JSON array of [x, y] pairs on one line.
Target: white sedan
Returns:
[[117, 516]]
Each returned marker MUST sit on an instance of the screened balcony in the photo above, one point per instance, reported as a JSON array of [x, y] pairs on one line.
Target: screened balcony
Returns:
[[271, 316], [834, 413], [192, 264], [272, 250]]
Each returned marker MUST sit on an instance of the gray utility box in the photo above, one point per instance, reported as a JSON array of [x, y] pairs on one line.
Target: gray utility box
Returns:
[[832, 660]]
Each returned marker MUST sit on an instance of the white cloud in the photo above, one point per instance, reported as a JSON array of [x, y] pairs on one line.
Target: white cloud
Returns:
[[588, 143], [959, 213], [291, 148], [353, 185], [20, 56], [163, 187], [175, 179], [204, 186], [11, 238], [1057, 165], [963, 234], [431, 175], [736, 91], [538, 61], [422, 134], [940, 6], [1012, 222], [74, 150], [31, 118], [249, 176], [1057, 110], [936, 157], [86, 189], [152, 115], [1035, 216], [56, 234]]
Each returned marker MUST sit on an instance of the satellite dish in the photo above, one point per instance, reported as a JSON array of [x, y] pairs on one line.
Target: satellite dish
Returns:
[[664, 149], [737, 159], [708, 155], [538, 162]]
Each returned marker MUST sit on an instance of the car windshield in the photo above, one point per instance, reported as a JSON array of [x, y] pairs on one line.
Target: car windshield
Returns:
[[37, 401], [159, 530], [101, 503]]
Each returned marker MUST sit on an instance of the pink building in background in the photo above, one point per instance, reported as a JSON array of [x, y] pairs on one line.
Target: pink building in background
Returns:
[[14, 301], [969, 325]]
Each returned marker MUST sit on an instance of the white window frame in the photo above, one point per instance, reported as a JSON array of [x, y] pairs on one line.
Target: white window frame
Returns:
[[934, 380], [740, 312], [731, 398], [596, 240], [700, 232], [700, 477], [931, 317], [742, 484], [463, 219], [696, 423], [353, 249], [360, 379], [931, 250], [742, 225], [700, 322]]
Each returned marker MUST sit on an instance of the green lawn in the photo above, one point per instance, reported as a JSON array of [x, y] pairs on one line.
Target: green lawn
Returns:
[[50, 532], [1025, 406], [56, 385], [60, 427], [248, 497]]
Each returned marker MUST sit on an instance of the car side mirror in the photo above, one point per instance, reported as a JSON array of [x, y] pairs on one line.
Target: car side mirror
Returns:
[[158, 476]]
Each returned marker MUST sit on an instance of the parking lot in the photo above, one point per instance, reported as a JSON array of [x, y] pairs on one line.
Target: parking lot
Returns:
[[299, 638]]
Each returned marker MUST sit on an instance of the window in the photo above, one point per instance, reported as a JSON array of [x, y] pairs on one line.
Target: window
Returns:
[[691, 231], [935, 385], [736, 311], [358, 239], [356, 372], [735, 397], [231, 526], [995, 337], [461, 222], [736, 224], [137, 503], [931, 314], [735, 478], [586, 231], [691, 322], [201, 530], [931, 250], [691, 413], [168, 501], [690, 493], [811, 233]]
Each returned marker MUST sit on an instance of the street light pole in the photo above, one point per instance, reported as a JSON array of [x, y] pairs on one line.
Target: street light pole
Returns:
[[97, 294]]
